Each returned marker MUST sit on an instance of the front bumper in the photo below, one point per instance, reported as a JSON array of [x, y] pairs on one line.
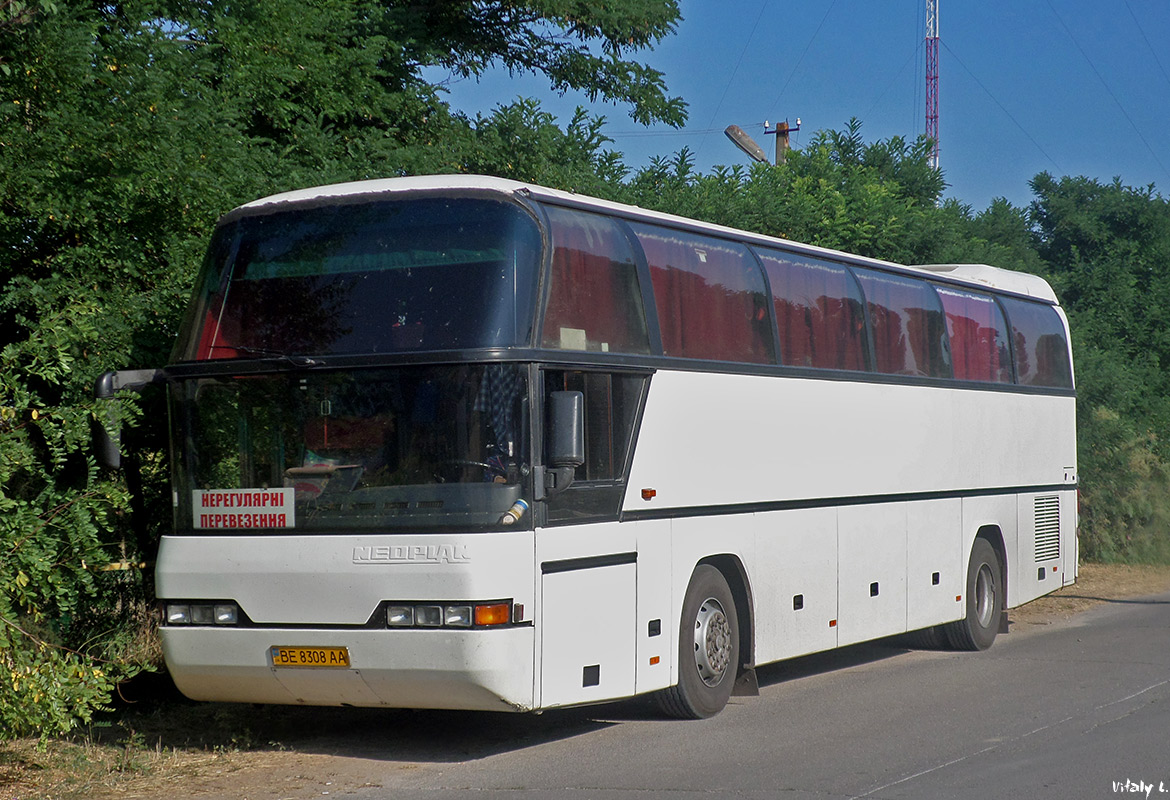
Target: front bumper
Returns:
[[482, 669]]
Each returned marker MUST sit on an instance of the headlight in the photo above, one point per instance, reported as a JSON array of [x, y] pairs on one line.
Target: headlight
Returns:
[[458, 616], [455, 615], [428, 616], [188, 613]]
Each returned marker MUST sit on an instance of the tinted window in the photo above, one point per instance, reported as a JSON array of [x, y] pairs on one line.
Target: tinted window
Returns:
[[1041, 347], [908, 327], [370, 277], [594, 301], [710, 297], [978, 334], [818, 311]]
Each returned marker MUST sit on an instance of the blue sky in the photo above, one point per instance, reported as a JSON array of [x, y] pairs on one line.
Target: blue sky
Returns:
[[1072, 87]]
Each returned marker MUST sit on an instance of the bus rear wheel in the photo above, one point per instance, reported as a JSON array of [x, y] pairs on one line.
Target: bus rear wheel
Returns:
[[985, 600], [708, 648]]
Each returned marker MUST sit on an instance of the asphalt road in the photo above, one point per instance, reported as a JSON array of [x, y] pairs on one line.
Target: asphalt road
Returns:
[[1078, 709]]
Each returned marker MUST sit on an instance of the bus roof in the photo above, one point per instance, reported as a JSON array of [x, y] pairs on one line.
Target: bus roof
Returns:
[[1006, 280]]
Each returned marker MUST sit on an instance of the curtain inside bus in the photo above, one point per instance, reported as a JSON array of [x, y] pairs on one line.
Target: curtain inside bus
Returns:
[[909, 329], [710, 297], [594, 300], [978, 335], [1041, 347], [818, 311]]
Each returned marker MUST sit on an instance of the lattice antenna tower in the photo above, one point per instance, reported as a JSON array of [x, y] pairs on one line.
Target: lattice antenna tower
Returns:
[[932, 78]]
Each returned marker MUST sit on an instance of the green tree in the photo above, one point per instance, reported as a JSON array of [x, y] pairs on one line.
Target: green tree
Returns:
[[1107, 247]]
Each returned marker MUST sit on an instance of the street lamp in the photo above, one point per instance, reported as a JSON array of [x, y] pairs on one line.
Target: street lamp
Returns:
[[745, 143]]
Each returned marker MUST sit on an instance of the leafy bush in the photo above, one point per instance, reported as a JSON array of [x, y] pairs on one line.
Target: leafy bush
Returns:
[[1125, 502], [135, 125], [48, 691]]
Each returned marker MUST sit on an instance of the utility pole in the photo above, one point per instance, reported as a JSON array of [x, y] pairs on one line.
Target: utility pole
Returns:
[[781, 132], [932, 78]]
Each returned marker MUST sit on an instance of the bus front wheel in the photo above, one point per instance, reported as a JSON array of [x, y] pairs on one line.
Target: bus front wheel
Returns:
[[708, 648], [985, 600]]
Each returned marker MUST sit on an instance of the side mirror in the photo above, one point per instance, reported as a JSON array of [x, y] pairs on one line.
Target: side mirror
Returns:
[[107, 431], [107, 446], [565, 439], [566, 426]]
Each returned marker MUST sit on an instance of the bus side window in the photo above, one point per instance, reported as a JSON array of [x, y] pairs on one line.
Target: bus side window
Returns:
[[710, 295], [907, 325], [818, 312], [978, 335], [612, 401], [1041, 348], [594, 300]]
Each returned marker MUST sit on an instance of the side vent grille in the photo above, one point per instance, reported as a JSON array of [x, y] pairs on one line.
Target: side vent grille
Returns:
[[1047, 528]]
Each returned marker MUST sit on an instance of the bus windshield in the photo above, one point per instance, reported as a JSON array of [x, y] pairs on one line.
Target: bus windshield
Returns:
[[420, 447], [360, 277]]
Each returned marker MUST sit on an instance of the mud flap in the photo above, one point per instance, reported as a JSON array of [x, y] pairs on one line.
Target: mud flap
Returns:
[[746, 684]]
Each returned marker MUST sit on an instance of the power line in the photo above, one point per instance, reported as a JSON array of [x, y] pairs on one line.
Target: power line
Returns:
[[1007, 113], [746, 44], [795, 66], [1093, 66], [912, 57], [1153, 52], [676, 131]]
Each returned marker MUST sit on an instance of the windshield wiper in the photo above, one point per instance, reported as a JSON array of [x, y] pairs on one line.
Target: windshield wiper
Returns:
[[263, 352]]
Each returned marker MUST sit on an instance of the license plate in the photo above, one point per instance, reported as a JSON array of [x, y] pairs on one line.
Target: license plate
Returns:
[[319, 657]]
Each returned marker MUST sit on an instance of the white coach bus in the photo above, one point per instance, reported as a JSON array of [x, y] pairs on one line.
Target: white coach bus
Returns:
[[463, 442]]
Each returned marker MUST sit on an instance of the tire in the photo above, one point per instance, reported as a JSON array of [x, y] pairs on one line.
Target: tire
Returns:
[[708, 648], [985, 598]]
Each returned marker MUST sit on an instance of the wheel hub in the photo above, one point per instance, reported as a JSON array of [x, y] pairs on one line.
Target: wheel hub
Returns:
[[712, 642], [984, 596]]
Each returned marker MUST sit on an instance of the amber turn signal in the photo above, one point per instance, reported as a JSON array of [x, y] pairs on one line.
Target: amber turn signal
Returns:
[[495, 614]]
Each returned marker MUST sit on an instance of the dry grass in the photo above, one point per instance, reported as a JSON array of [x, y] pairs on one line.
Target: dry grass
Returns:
[[1096, 583], [141, 747], [86, 767]]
